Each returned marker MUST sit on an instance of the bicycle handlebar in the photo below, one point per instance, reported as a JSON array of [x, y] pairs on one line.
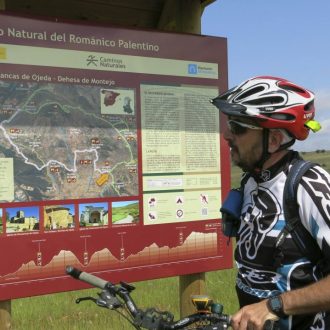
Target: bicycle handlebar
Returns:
[[86, 277], [150, 318]]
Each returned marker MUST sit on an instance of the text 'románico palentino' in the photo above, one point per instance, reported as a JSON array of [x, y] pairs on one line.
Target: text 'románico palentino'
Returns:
[[78, 39]]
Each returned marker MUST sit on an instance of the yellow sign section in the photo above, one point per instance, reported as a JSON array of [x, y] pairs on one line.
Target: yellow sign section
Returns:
[[77, 59], [102, 179], [3, 53]]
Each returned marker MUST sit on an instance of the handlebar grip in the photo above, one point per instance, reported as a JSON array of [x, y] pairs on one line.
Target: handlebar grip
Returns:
[[271, 325], [85, 277]]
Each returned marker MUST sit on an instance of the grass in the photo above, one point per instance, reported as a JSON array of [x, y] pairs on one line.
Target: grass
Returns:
[[59, 311], [320, 157], [119, 213]]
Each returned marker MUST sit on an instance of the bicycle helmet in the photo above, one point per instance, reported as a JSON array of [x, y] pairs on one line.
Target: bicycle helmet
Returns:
[[274, 103]]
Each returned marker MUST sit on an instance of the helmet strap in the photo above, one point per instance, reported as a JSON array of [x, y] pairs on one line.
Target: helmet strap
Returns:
[[286, 145], [265, 153]]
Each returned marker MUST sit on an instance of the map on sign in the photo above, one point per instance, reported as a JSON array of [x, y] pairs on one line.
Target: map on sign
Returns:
[[65, 142]]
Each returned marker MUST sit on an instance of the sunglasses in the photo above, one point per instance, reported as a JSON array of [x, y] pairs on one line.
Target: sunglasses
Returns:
[[239, 128]]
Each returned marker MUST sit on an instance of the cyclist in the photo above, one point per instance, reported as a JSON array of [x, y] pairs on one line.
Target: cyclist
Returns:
[[265, 116]]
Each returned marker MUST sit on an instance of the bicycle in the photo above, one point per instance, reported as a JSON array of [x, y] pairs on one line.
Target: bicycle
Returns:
[[208, 315]]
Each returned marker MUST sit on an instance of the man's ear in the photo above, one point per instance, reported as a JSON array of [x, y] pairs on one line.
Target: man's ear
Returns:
[[275, 139]]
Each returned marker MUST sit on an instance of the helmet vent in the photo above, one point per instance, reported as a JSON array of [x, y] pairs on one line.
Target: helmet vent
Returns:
[[309, 106], [280, 116], [250, 92], [292, 88], [269, 100]]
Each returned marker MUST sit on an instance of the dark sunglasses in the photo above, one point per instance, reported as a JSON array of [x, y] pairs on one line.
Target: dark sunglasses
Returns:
[[239, 128]]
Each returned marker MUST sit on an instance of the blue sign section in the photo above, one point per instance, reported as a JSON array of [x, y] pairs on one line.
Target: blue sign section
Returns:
[[192, 68]]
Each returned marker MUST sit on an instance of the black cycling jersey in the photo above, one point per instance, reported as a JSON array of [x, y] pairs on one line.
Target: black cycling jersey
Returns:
[[262, 219]]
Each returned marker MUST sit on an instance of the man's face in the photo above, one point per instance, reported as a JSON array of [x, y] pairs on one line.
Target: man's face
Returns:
[[245, 142]]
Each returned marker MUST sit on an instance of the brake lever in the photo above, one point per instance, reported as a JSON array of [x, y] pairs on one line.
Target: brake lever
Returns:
[[108, 300], [78, 300], [104, 300]]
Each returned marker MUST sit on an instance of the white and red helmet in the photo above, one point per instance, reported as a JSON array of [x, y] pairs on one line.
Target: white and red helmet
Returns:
[[272, 102]]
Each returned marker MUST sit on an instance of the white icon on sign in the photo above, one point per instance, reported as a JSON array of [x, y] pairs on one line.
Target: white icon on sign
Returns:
[[204, 199], [152, 215], [179, 200], [152, 202], [179, 214], [204, 211]]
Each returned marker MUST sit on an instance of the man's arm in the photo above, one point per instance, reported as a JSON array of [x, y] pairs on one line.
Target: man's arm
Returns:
[[310, 299]]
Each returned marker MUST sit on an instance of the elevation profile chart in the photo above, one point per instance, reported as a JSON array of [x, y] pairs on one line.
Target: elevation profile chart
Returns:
[[197, 246]]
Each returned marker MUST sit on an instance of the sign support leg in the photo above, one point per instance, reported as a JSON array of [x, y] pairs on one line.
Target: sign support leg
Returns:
[[5, 314], [191, 284]]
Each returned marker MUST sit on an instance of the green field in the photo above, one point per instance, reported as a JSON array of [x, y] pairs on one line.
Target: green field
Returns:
[[120, 213], [320, 157], [59, 311]]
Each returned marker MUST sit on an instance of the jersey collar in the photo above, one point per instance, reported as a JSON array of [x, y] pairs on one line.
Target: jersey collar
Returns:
[[281, 165]]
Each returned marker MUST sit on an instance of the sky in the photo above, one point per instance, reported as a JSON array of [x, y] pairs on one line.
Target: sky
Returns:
[[32, 211], [283, 38]]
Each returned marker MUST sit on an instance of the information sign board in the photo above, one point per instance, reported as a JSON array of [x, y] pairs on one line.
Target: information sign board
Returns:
[[111, 157]]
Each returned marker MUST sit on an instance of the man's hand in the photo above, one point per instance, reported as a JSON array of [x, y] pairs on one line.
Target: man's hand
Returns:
[[252, 317]]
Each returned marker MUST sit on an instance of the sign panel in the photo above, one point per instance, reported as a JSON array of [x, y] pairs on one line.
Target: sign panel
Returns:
[[111, 157]]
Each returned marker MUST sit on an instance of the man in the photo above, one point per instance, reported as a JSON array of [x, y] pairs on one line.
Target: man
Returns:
[[265, 115]]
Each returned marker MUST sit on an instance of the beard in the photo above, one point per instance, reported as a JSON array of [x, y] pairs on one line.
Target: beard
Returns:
[[246, 160]]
